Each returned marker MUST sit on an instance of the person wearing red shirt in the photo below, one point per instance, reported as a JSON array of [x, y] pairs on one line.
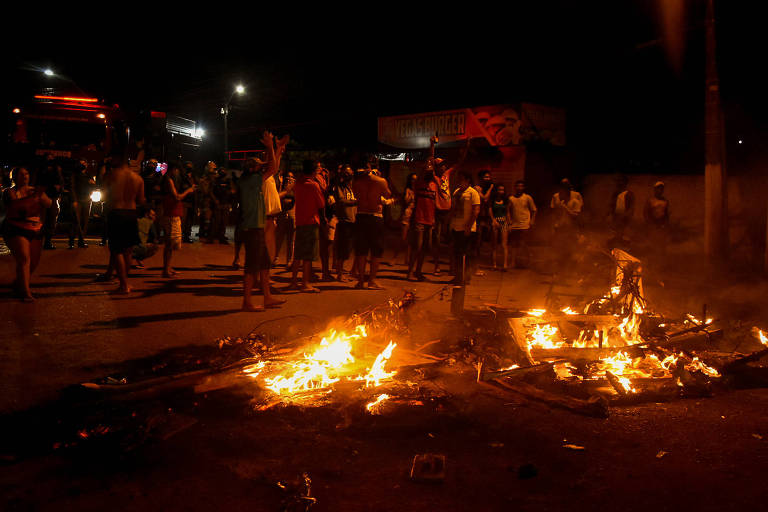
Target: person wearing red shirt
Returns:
[[310, 203], [423, 221], [369, 189], [173, 209]]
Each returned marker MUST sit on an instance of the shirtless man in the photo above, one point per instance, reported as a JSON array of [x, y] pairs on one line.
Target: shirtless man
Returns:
[[126, 190], [369, 223]]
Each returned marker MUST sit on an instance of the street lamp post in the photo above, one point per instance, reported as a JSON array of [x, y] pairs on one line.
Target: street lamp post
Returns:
[[239, 89]]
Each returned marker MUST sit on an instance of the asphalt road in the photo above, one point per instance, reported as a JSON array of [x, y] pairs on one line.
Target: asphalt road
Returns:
[[214, 451], [78, 328]]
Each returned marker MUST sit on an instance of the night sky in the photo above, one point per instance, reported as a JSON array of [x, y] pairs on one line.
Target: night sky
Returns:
[[634, 92]]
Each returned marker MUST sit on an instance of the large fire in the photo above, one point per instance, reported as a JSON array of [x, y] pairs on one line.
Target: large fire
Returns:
[[325, 364], [612, 321]]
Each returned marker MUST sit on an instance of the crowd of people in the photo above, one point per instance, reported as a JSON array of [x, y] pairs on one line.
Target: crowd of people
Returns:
[[337, 217]]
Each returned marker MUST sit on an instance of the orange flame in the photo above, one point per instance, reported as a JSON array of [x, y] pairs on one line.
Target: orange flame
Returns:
[[375, 406]]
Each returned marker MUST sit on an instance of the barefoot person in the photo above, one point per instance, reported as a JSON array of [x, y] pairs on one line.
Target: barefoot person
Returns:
[[173, 209], [310, 206], [22, 228], [369, 189], [346, 209], [252, 220], [426, 190], [126, 190]]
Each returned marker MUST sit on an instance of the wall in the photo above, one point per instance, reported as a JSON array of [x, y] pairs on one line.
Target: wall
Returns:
[[746, 207]]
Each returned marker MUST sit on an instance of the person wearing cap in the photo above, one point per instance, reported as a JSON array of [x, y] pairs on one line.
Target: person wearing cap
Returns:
[[442, 175], [567, 205], [656, 215], [251, 223]]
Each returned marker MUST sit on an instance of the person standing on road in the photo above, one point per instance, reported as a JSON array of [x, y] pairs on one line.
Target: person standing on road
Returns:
[[252, 219], [369, 224], [622, 209], [206, 202], [173, 209], [522, 217], [567, 205], [286, 221], [656, 214], [188, 217], [22, 227], [310, 206], [346, 210], [105, 169], [407, 204], [81, 188], [420, 240], [223, 199], [126, 191], [327, 223], [499, 226], [466, 209], [443, 198], [485, 188], [274, 208], [53, 182]]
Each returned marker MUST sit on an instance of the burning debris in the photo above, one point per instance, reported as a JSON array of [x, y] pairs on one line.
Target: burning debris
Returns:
[[610, 351], [356, 358], [616, 351], [617, 348]]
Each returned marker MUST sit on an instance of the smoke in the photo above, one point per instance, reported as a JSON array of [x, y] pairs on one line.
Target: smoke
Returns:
[[673, 29]]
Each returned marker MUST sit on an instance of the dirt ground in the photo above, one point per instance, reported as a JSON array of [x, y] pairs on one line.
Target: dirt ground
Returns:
[[213, 450]]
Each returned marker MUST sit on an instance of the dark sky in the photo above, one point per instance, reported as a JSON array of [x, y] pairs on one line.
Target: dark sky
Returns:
[[607, 63]]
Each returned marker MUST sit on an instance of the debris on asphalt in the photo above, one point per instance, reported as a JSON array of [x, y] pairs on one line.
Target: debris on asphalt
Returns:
[[428, 468]]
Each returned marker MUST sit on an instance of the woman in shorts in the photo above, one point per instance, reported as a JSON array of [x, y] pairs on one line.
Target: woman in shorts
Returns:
[[22, 228]]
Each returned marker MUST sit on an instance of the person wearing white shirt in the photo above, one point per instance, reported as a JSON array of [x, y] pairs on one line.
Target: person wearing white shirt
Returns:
[[567, 205], [522, 216], [466, 208]]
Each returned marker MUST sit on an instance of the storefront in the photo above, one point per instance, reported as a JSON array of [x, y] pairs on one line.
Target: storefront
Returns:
[[498, 137]]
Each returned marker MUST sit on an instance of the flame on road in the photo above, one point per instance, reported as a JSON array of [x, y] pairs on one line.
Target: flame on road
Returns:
[[329, 362], [376, 374], [375, 406], [760, 335]]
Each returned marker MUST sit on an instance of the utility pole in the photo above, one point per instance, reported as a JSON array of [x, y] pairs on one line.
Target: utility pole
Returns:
[[225, 111], [239, 89], [715, 180]]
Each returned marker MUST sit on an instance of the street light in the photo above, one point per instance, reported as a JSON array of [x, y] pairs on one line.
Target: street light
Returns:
[[239, 89], [48, 72]]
